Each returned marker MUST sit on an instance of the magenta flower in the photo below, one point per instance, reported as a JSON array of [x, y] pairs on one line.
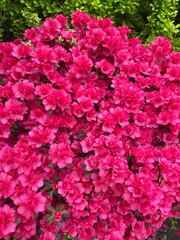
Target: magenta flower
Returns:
[[7, 221]]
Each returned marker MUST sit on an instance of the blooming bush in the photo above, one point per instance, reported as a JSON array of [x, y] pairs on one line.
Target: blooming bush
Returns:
[[89, 133]]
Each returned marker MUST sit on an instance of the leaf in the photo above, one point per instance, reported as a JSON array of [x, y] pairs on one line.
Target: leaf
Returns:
[[60, 208], [17, 220], [2, 83], [55, 178], [51, 209], [49, 111], [47, 188], [51, 165], [57, 236], [47, 183], [59, 224], [87, 174], [160, 178], [66, 236], [50, 194], [39, 102], [65, 213], [34, 215], [50, 218], [82, 134]]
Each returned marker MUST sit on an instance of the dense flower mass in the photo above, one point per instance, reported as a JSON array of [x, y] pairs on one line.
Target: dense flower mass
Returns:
[[89, 133]]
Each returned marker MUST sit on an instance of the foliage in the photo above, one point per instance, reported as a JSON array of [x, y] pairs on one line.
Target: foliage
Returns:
[[161, 20], [17, 15], [89, 132]]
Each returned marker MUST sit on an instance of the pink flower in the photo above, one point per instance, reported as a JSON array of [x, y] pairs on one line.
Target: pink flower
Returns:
[[167, 117], [38, 114], [50, 102], [7, 221], [3, 114], [106, 67], [52, 27], [48, 68], [138, 230], [24, 90], [87, 233], [63, 99], [7, 159], [91, 163], [82, 65], [141, 119], [79, 20], [27, 162], [47, 236], [70, 226], [34, 180], [40, 136], [7, 185], [106, 119], [29, 203], [87, 144], [85, 103], [160, 47], [77, 109], [5, 130], [95, 36], [26, 229], [132, 130], [120, 116], [16, 109], [21, 51], [44, 54], [44, 90], [61, 154]]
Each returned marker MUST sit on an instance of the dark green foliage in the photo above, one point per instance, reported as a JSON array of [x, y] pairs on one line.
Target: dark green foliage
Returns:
[[161, 21], [146, 18], [17, 15]]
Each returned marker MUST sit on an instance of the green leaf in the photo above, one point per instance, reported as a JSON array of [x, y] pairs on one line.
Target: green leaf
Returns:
[[2, 83], [59, 224], [50, 218], [47, 188], [14, 127], [48, 183], [34, 215], [82, 134], [50, 194], [55, 178], [57, 236], [160, 178], [60, 208], [66, 236], [49, 111], [51, 165], [51, 209], [39, 102], [65, 213], [17, 220], [87, 174]]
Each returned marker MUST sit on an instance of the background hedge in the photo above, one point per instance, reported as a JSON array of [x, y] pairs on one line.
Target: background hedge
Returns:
[[146, 18]]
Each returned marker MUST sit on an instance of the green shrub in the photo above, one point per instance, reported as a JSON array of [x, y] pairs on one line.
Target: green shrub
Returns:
[[146, 18], [161, 21], [17, 15]]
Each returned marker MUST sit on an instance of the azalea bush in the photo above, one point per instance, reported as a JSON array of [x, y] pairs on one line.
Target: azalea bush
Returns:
[[89, 133]]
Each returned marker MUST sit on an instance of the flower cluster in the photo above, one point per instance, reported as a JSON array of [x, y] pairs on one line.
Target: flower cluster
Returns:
[[89, 132]]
